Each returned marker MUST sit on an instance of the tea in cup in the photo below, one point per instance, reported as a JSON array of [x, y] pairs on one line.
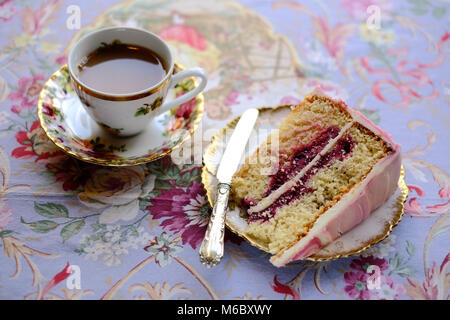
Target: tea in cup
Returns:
[[122, 76]]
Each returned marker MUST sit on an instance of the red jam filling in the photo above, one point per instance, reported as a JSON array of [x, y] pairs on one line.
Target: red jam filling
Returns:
[[300, 158], [342, 148]]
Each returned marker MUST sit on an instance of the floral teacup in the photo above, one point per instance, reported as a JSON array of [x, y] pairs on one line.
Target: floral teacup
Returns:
[[129, 114]]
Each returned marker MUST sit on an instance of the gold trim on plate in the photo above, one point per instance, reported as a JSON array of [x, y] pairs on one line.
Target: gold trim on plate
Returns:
[[109, 162], [208, 181]]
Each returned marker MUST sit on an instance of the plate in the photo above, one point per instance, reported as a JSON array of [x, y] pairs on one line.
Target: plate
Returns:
[[68, 125], [368, 233]]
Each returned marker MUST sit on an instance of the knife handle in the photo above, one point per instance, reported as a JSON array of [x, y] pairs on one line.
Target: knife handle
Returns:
[[211, 250]]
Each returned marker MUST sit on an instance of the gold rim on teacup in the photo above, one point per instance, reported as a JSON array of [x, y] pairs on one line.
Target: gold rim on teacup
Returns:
[[104, 96]]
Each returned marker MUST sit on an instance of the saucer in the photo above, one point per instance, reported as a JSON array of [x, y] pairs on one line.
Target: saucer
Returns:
[[368, 233], [69, 126]]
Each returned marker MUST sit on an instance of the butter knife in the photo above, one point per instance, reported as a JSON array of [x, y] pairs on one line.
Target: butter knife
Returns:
[[211, 250]]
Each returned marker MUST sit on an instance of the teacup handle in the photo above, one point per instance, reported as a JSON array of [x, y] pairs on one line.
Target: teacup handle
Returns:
[[176, 78]]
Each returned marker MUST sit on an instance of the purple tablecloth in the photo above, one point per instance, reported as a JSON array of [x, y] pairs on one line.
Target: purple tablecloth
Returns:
[[257, 53]]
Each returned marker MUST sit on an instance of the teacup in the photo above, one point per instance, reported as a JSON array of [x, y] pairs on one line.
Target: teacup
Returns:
[[127, 114]]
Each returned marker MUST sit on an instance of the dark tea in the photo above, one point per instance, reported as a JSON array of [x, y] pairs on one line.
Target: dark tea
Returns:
[[120, 68]]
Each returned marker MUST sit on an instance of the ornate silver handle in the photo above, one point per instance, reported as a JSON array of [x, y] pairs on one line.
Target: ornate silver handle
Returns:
[[211, 250]]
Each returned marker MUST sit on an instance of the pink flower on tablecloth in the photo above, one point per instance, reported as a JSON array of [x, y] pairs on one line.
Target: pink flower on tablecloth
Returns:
[[290, 100], [28, 92], [389, 290], [5, 214], [415, 209], [357, 9], [284, 288], [231, 99], [185, 212], [356, 286], [164, 248], [35, 20], [362, 263], [435, 285], [329, 88], [72, 173], [60, 276], [410, 80], [184, 34], [61, 60], [333, 38], [17, 109], [357, 279], [35, 144], [7, 10]]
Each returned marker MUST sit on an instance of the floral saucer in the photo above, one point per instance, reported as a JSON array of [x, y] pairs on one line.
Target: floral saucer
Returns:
[[68, 125], [368, 233]]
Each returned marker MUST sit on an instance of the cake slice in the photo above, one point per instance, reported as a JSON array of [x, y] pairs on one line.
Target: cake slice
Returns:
[[334, 168]]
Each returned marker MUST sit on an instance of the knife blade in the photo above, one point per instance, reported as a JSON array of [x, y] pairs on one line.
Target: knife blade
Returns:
[[235, 147], [212, 247]]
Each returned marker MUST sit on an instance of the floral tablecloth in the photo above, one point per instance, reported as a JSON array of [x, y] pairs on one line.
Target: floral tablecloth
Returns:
[[56, 211]]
